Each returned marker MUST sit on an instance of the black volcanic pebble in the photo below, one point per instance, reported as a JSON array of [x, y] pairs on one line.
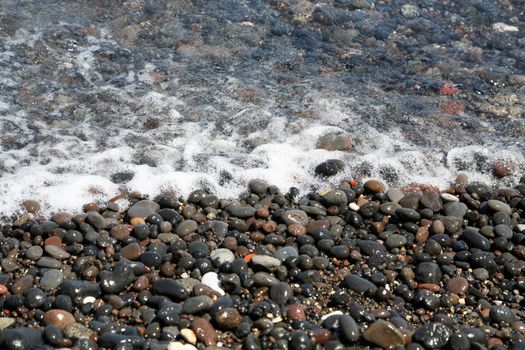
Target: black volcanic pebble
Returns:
[[292, 262]]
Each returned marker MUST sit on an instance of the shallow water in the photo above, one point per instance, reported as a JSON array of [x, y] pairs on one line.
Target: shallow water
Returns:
[[173, 96]]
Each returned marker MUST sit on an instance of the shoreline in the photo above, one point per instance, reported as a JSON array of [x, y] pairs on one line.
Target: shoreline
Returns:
[[354, 265]]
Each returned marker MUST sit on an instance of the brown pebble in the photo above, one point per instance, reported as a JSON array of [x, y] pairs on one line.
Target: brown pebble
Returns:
[[462, 179], [457, 285], [317, 225], [227, 318], [438, 227], [91, 207], [31, 206], [230, 243], [22, 284], [205, 331], [131, 251], [59, 318], [121, 231], [375, 186], [322, 336], [141, 283], [21, 220], [61, 217], [422, 234], [494, 341], [384, 334], [269, 226], [297, 230], [502, 168], [296, 312], [262, 212], [202, 289], [137, 221], [429, 286]]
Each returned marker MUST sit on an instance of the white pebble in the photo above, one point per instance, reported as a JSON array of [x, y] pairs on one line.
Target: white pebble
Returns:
[[338, 312], [211, 279], [521, 227], [177, 345], [353, 206], [503, 27], [87, 300], [447, 197], [188, 335]]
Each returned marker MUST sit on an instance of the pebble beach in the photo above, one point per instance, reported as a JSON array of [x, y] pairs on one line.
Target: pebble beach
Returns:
[[266, 174]]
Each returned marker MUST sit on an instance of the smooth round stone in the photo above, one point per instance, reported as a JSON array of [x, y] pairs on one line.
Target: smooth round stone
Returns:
[[375, 186], [113, 340], [240, 212], [21, 338], [297, 230], [447, 197], [205, 332], [121, 231], [186, 228], [34, 252], [336, 198], [170, 288], [300, 341], [457, 285], [456, 209], [407, 214], [34, 298], [501, 313], [142, 209], [428, 272], [395, 241], [284, 253], [56, 252], [349, 328], [476, 240], [131, 251], [198, 249], [188, 335], [434, 335], [22, 284], [59, 318], [197, 305], [77, 331], [389, 208], [329, 167], [96, 220], [221, 256], [31, 206], [294, 216], [359, 284], [481, 274], [51, 279], [503, 231], [227, 318], [280, 293], [296, 312], [499, 206], [258, 186], [384, 334], [211, 279], [452, 224], [339, 251], [411, 200], [431, 201], [458, 341], [266, 261], [265, 279], [394, 194], [53, 334]]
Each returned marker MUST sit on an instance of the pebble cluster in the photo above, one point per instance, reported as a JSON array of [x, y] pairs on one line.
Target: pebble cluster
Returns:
[[356, 266]]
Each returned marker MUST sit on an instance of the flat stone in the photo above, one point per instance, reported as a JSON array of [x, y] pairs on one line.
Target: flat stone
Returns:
[[77, 331], [186, 228], [266, 261], [432, 201], [143, 209], [59, 318], [384, 334], [360, 285], [56, 252], [499, 206], [51, 279], [96, 220], [294, 217], [285, 252], [121, 231], [205, 331], [197, 305], [447, 197], [457, 285]]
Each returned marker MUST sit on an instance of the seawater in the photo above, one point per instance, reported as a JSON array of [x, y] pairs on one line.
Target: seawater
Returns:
[[184, 95]]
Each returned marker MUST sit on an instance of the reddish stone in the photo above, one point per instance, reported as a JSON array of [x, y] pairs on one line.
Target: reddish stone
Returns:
[[53, 240], [502, 168], [296, 312], [205, 331], [121, 231], [59, 318], [3, 289], [61, 217]]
